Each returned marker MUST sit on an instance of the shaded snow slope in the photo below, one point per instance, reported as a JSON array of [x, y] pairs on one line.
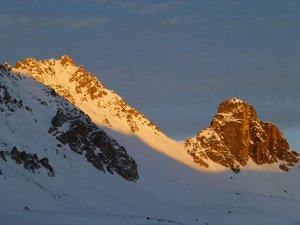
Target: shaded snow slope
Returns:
[[166, 190]]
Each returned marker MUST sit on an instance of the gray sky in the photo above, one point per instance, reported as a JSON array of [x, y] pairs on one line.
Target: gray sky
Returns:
[[175, 60]]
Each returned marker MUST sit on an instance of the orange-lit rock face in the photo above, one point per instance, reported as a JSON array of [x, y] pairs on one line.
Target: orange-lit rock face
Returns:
[[236, 134], [66, 60]]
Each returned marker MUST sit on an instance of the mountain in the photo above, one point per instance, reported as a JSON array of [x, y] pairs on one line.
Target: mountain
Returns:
[[34, 120], [224, 143], [74, 152], [103, 106], [236, 135], [83, 89]]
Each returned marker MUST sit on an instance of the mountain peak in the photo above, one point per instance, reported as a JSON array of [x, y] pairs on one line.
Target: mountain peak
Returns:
[[26, 109], [66, 59], [237, 109], [26, 63], [233, 102], [83, 89], [236, 135]]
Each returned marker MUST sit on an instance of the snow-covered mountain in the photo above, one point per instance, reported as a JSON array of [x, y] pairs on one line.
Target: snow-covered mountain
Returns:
[[103, 106], [84, 90], [57, 157], [107, 109], [35, 120]]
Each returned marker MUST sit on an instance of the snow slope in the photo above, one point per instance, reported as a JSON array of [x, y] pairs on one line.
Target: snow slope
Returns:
[[167, 191]]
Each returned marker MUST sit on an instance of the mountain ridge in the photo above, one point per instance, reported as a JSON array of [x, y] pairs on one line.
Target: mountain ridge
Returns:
[[23, 99], [106, 108], [84, 85]]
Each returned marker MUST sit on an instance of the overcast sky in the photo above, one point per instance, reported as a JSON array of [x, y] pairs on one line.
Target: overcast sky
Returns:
[[174, 60]]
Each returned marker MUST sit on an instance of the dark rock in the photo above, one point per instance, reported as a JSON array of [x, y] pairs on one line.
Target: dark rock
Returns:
[[30, 161], [26, 208], [284, 167], [84, 137], [45, 163], [15, 154], [235, 169], [2, 155]]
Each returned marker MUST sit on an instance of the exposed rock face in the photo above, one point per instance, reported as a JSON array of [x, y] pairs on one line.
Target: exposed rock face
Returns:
[[66, 60], [30, 162], [84, 137], [236, 135]]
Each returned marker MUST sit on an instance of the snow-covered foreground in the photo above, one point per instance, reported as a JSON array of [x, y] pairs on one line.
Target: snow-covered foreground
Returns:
[[167, 192], [74, 218], [236, 209]]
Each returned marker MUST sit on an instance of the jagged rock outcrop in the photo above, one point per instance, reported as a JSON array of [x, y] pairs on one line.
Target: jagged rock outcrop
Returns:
[[236, 135], [30, 162], [84, 137]]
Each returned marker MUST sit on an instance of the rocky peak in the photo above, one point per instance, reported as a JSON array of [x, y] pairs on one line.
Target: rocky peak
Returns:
[[66, 60], [26, 62], [83, 89], [63, 76], [237, 108], [237, 135]]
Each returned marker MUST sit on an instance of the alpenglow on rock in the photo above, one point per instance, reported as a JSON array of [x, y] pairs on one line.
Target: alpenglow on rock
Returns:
[[236, 135], [84, 90]]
